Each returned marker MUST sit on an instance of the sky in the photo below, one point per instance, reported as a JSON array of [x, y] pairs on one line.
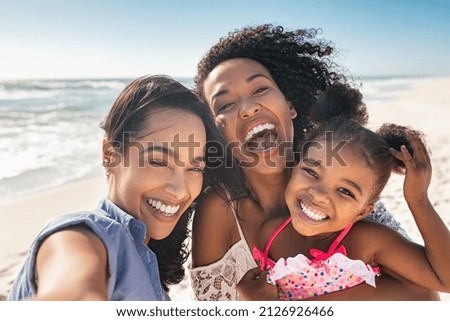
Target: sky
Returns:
[[131, 38]]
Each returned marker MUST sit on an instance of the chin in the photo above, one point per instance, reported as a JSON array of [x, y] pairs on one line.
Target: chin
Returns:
[[161, 234], [267, 169]]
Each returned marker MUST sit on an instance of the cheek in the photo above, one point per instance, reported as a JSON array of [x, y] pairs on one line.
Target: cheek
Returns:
[[291, 190], [195, 185]]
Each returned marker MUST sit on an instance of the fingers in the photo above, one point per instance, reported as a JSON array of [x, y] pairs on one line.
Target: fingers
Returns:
[[419, 148], [403, 155], [419, 157], [397, 154]]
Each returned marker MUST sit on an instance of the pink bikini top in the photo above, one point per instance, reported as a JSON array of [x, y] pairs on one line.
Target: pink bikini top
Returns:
[[318, 255]]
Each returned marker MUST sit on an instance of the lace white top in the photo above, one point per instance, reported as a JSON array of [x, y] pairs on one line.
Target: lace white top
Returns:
[[217, 281]]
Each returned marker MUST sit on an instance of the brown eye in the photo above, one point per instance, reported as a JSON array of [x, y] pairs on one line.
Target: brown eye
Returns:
[[157, 163], [260, 90], [345, 191], [311, 172], [224, 107]]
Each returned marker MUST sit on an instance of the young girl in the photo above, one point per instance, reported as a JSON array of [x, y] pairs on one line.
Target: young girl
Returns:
[[327, 245], [132, 247]]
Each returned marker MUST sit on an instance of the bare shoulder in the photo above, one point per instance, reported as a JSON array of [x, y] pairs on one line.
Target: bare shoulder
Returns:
[[214, 229], [213, 212], [369, 237], [371, 229]]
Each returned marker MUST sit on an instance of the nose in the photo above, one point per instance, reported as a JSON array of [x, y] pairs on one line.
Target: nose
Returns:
[[248, 109], [319, 193], [177, 186]]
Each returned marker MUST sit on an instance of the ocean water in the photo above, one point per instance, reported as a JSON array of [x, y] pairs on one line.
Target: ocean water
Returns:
[[50, 135], [49, 131]]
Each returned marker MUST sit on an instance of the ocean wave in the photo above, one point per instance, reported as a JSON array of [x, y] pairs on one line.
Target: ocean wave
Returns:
[[42, 85]]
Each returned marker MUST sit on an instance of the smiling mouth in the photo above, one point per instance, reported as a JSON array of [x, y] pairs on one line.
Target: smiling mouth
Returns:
[[261, 138], [311, 213], [164, 209]]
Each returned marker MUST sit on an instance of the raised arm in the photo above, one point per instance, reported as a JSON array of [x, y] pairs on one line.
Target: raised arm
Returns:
[[429, 266], [72, 265]]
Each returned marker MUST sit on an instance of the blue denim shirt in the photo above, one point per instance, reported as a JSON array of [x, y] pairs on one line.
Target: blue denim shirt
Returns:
[[133, 267]]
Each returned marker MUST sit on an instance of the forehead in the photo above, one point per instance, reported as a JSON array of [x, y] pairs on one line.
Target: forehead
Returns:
[[346, 163], [230, 71], [169, 125], [331, 154]]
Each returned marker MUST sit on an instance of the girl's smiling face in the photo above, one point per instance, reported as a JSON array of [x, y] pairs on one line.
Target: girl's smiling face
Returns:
[[252, 113], [161, 173], [324, 195]]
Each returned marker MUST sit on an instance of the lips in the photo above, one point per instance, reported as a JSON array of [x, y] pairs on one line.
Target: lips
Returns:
[[312, 213], [164, 209], [261, 137]]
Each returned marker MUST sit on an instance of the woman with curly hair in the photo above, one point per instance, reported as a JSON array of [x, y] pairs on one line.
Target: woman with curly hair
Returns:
[[132, 247], [260, 83]]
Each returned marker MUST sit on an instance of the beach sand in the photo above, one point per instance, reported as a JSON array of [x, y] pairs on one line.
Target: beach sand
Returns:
[[426, 107]]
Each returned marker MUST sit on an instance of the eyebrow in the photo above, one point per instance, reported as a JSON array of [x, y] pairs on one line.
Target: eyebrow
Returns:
[[165, 150], [352, 183], [317, 163], [249, 79], [312, 162]]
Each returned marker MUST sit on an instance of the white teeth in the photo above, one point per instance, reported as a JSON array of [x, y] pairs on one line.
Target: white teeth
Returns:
[[165, 209], [257, 129], [311, 213]]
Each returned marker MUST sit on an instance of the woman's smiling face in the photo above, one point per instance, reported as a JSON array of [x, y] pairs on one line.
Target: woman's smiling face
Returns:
[[161, 172], [252, 113]]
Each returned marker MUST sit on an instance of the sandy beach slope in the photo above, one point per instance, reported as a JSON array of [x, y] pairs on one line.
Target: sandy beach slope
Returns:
[[425, 105]]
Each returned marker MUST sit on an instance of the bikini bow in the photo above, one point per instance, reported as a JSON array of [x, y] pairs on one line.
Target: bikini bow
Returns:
[[321, 255], [259, 256]]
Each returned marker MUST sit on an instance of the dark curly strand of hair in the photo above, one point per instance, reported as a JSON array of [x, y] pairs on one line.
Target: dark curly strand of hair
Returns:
[[173, 248], [298, 62]]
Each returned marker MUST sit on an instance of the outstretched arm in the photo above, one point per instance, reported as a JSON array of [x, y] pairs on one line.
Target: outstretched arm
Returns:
[[72, 265]]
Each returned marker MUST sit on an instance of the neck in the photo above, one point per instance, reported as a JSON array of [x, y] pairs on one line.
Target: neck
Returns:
[[267, 190]]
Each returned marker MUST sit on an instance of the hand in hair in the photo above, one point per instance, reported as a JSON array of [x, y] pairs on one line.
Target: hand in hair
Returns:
[[418, 169]]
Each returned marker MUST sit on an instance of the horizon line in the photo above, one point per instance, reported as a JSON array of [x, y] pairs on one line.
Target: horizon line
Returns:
[[386, 76]]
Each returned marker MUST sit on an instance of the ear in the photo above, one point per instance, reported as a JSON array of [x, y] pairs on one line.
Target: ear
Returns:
[[292, 110], [110, 155], [220, 122], [366, 211]]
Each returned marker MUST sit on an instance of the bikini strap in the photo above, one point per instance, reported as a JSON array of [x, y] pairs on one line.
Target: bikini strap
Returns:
[[339, 238], [274, 235], [233, 209], [335, 247]]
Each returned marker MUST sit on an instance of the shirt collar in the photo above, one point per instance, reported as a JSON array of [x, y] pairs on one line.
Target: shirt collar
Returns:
[[137, 228]]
